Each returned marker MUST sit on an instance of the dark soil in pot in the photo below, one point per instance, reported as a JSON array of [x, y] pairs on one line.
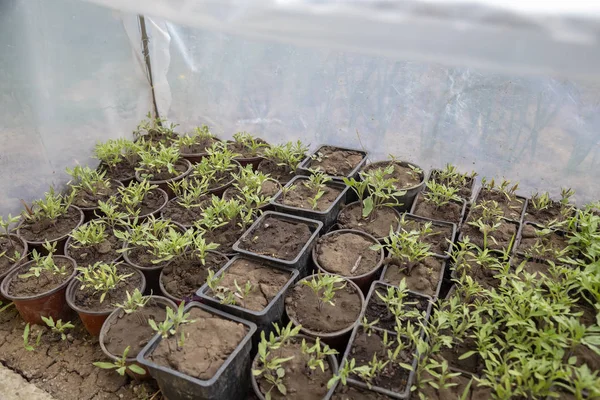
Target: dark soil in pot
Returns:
[[10, 246], [512, 210], [33, 286], [266, 283], [140, 258], [47, 229], [299, 196], [181, 167], [403, 175], [531, 266], [225, 236], [209, 341], [182, 278], [268, 189], [543, 217], [88, 301], [184, 216], [302, 306], [439, 239], [301, 382], [472, 364], [153, 202], [246, 153], [482, 274], [277, 238], [377, 224], [198, 148], [500, 239], [85, 200], [132, 330], [393, 377], [451, 212], [122, 172], [105, 252], [553, 242], [377, 309], [457, 386], [280, 173], [350, 392], [347, 254], [423, 277], [334, 161]]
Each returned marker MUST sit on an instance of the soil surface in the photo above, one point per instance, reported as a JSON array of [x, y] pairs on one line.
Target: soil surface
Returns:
[[64, 368], [439, 239], [139, 257], [133, 329], [484, 275], [84, 199], [347, 254], [47, 229], [225, 236], [472, 364], [277, 238], [303, 305], [405, 179], [300, 196], [123, 171], [219, 180], [199, 147], [180, 167], [335, 161], [453, 392], [47, 281], [355, 393], [281, 173], [542, 217], [268, 189], [5, 245], [87, 300], [553, 242], [451, 212], [534, 267], [182, 278], [424, 277], [377, 309], [184, 216], [377, 224], [105, 252], [301, 383], [209, 341], [587, 356], [465, 191], [512, 210], [500, 239], [245, 152], [266, 283], [152, 202], [392, 377]]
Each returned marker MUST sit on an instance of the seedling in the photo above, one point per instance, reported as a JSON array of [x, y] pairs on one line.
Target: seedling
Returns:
[[368, 326], [116, 151], [450, 176], [317, 354], [5, 306], [221, 212], [134, 302], [316, 183], [58, 327], [5, 226], [90, 181], [382, 191], [179, 317], [91, 234], [249, 184], [508, 191], [155, 129], [405, 249], [44, 263], [540, 202], [26, 339], [110, 213], [287, 155], [254, 146], [157, 160], [174, 244], [165, 328], [439, 194], [120, 365], [325, 286], [131, 197], [190, 192], [197, 136], [101, 277], [395, 301], [414, 172], [217, 165], [53, 206], [366, 373], [489, 221]]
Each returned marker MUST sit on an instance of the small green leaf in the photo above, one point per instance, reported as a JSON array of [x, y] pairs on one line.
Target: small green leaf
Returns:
[[137, 369]]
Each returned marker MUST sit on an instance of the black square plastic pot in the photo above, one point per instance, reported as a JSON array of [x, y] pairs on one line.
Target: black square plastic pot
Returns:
[[229, 382], [439, 285], [462, 212], [300, 262], [271, 313], [327, 217], [303, 168], [435, 223]]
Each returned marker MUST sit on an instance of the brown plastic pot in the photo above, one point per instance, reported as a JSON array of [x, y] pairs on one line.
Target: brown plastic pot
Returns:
[[362, 281], [338, 339], [164, 184], [19, 261], [93, 320], [129, 360], [60, 241], [49, 304]]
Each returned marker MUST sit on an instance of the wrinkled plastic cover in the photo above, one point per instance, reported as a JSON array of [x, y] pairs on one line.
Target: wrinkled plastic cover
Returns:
[[69, 77]]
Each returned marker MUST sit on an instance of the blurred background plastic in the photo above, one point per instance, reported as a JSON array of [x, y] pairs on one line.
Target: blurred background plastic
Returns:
[[511, 91]]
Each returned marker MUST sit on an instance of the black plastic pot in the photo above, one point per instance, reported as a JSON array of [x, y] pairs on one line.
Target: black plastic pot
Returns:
[[333, 364], [439, 285], [327, 217], [436, 223], [362, 281], [305, 165], [357, 204], [129, 360], [164, 184], [229, 382], [263, 319], [462, 213], [408, 199], [411, 376], [300, 262]]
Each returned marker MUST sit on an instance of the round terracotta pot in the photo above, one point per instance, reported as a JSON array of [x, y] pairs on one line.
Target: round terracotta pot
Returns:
[[60, 241], [130, 360], [19, 261], [49, 304], [164, 184], [362, 281], [338, 339], [93, 320]]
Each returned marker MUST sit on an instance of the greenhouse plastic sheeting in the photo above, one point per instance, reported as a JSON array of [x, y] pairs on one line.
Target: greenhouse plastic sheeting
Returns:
[[69, 76], [538, 130]]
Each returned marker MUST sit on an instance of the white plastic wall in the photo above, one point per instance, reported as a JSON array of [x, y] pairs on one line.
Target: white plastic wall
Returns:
[[69, 76]]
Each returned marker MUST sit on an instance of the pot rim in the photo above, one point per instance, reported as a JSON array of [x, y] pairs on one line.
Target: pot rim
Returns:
[[58, 239], [20, 260], [333, 183], [173, 179], [402, 164]]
